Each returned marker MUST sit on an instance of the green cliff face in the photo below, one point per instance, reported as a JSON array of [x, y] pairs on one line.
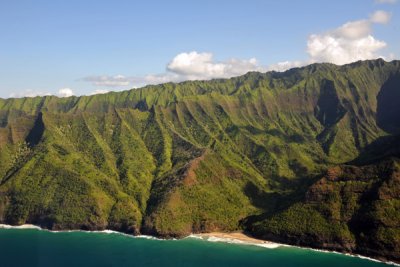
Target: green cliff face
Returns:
[[277, 154], [351, 209]]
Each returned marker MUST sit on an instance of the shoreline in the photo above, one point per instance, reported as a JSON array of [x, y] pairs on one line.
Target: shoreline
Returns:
[[238, 238], [242, 238]]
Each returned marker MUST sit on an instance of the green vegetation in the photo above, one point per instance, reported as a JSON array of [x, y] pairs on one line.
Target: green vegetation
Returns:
[[350, 209], [263, 152]]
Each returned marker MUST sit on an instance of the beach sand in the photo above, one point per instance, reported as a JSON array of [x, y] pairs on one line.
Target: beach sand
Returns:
[[233, 238], [236, 237]]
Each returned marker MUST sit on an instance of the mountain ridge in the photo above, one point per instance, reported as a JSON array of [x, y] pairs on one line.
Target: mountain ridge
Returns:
[[252, 152]]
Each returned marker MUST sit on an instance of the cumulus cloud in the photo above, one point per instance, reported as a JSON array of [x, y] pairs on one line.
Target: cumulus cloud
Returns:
[[353, 30], [347, 43], [350, 42], [285, 65], [99, 92], [29, 93], [380, 16], [65, 92], [339, 50], [184, 66], [200, 66]]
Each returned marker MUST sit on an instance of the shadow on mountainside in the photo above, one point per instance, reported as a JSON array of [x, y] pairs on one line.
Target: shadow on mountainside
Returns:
[[388, 108], [36, 133], [274, 202], [381, 148]]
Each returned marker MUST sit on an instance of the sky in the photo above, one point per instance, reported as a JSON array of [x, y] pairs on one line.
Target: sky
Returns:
[[83, 47]]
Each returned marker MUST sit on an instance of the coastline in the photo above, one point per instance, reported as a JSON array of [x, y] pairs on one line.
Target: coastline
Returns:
[[242, 238], [238, 238]]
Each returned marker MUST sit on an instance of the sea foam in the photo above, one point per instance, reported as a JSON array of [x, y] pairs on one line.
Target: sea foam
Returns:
[[235, 241], [269, 245], [24, 226]]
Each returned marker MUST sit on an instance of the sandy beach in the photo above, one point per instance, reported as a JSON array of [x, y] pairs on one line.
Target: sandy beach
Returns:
[[242, 238], [237, 238], [232, 238]]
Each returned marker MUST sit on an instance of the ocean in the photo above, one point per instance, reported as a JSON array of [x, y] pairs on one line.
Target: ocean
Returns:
[[33, 247]]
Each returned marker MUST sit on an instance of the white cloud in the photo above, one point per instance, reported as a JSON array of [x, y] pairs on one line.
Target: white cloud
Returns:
[[350, 42], [285, 65], [380, 16], [157, 79], [339, 50], [65, 92], [130, 81], [200, 66], [353, 30], [108, 81], [99, 92], [29, 93], [385, 1], [195, 63], [184, 66], [347, 43]]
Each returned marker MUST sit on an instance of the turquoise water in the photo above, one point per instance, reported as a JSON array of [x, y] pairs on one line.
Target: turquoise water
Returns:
[[30, 247]]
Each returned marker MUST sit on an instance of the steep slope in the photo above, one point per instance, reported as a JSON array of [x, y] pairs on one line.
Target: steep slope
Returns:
[[351, 209], [249, 152]]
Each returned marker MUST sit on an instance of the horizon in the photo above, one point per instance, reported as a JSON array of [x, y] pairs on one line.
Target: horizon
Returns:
[[76, 48]]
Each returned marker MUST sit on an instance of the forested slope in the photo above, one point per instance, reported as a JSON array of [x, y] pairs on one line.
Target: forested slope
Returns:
[[308, 156]]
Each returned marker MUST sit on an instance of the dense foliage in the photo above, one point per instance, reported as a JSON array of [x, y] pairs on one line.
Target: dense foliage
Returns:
[[264, 152]]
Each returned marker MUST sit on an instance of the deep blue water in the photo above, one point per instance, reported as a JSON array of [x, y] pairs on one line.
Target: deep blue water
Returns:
[[30, 247]]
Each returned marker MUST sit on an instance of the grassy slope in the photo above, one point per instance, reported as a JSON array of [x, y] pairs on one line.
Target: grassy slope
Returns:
[[196, 156]]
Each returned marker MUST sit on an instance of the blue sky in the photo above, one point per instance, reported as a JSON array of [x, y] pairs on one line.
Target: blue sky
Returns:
[[85, 47]]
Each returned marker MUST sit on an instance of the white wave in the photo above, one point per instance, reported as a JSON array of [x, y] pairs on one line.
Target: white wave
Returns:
[[346, 254], [24, 226], [106, 231], [368, 258], [270, 245], [193, 236], [109, 232], [267, 244], [149, 237]]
